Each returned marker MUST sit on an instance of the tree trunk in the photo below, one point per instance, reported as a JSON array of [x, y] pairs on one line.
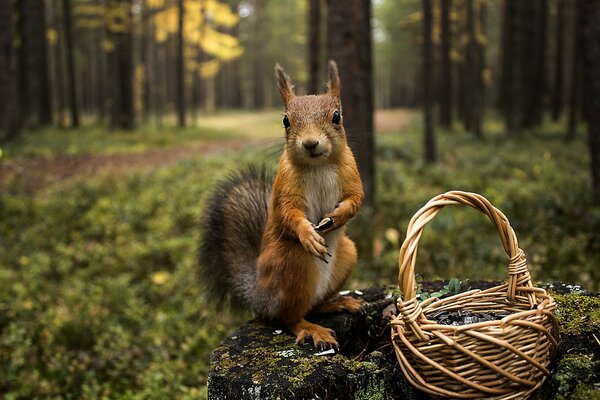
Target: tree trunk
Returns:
[[590, 20], [349, 44], [576, 69], [541, 22], [57, 65], [430, 146], [314, 45], [123, 112], [446, 66], [481, 57], [258, 85], [9, 111], [557, 92], [34, 66], [67, 16], [473, 73], [519, 99], [180, 73]]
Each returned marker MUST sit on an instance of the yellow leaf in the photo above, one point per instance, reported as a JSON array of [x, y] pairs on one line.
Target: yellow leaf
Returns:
[[52, 36], [160, 277], [209, 69]]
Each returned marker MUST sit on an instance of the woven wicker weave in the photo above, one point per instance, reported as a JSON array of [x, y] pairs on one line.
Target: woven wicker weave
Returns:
[[502, 359]]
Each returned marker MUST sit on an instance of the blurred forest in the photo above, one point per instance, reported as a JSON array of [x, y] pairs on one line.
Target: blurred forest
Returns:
[[117, 118]]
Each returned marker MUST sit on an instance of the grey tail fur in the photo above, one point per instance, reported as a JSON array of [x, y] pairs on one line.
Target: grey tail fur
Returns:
[[231, 231]]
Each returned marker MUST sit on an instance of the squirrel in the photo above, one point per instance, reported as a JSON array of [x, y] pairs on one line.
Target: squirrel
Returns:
[[279, 245]]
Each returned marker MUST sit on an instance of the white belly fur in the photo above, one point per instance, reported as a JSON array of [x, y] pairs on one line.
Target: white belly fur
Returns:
[[321, 191]]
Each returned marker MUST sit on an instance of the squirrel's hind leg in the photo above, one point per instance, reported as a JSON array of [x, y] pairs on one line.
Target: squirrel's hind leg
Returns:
[[345, 260]]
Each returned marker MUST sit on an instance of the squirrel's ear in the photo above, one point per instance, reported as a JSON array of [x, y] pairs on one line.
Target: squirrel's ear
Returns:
[[333, 85], [286, 89]]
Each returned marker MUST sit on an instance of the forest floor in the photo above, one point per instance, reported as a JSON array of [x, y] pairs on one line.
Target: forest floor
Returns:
[[98, 259], [228, 131]]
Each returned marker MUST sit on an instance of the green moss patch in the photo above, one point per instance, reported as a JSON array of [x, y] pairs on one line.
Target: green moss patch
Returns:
[[578, 314]]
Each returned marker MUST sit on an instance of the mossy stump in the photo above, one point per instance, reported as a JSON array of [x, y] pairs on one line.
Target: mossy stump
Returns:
[[260, 360]]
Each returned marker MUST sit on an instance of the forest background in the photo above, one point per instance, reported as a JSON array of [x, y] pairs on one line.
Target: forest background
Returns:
[[117, 118]]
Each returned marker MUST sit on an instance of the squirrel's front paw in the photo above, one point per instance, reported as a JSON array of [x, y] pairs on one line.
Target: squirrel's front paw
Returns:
[[313, 242]]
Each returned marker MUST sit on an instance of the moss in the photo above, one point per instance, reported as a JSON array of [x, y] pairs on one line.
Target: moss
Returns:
[[375, 389], [578, 314], [576, 377]]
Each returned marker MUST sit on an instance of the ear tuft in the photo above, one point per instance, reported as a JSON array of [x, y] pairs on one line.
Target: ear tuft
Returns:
[[286, 89], [334, 80]]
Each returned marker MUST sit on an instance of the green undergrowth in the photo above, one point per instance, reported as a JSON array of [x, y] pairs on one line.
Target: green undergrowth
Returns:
[[541, 183], [98, 294]]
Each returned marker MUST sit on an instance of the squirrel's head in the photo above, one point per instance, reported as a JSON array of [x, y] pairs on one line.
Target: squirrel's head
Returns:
[[314, 133]]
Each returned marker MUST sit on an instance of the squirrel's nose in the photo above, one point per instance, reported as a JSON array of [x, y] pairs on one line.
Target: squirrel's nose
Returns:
[[310, 143]]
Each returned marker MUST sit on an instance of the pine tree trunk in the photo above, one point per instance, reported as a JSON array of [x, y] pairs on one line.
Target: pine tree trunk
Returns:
[[67, 16], [314, 45], [446, 66], [123, 105], [576, 69], [349, 44], [430, 146], [481, 58], [40, 47], [557, 92], [9, 105], [590, 21], [180, 73], [473, 73], [34, 67], [541, 22], [257, 85]]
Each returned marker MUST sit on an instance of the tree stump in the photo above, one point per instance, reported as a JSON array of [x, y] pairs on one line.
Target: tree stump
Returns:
[[260, 360]]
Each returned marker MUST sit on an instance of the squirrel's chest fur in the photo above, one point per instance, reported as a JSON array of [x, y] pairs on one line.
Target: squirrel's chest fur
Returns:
[[321, 193]]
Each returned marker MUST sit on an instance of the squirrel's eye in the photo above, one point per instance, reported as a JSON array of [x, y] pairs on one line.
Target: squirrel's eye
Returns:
[[336, 117], [286, 121]]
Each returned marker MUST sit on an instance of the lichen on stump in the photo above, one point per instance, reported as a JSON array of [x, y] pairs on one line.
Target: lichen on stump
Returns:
[[260, 360]]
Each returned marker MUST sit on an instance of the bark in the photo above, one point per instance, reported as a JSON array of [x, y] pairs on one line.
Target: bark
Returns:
[[541, 28], [446, 66], [473, 67], [180, 73], [349, 44], [429, 143], [57, 66], [258, 84], [34, 83], [314, 45], [9, 105], [481, 56], [67, 16], [518, 97], [576, 70], [557, 92], [590, 20], [261, 360], [123, 115]]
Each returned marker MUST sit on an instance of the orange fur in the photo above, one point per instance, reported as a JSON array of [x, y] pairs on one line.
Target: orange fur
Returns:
[[287, 267]]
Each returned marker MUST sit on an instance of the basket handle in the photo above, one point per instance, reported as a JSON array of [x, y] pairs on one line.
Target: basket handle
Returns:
[[518, 273]]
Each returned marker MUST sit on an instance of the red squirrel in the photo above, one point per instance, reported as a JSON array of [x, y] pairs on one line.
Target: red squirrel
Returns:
[[264, 241]]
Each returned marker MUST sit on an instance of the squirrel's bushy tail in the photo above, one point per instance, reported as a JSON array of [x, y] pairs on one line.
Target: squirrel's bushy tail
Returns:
[[231, 230]]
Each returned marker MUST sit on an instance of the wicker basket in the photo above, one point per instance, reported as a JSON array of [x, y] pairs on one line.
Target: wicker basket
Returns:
[[500, 359]]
